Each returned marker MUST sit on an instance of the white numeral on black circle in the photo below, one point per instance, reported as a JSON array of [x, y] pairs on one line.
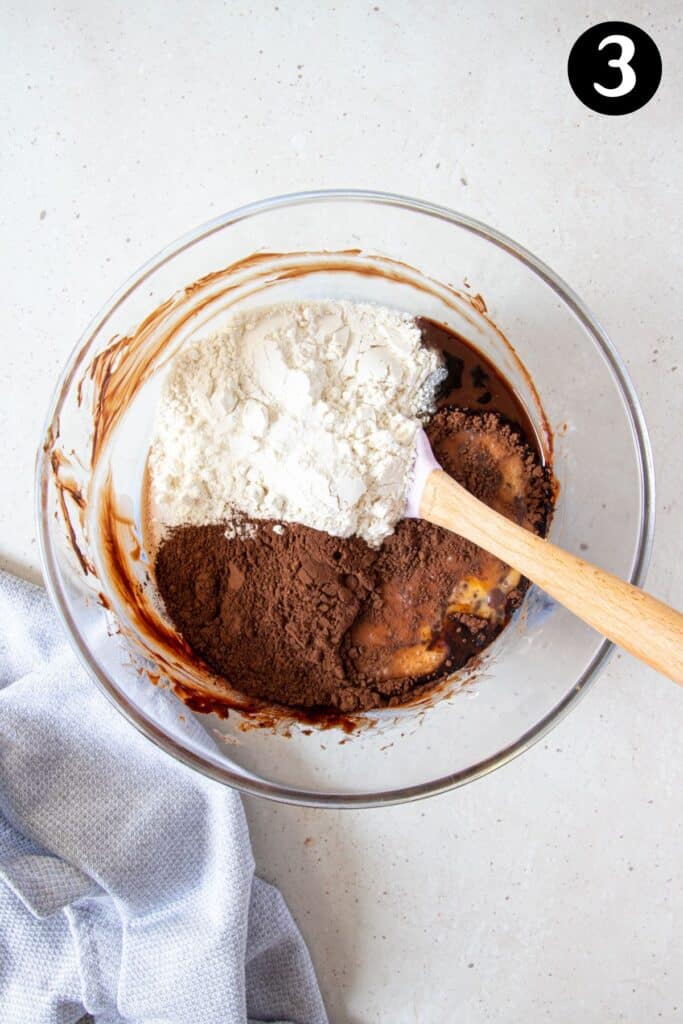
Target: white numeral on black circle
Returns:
[[628, 75]]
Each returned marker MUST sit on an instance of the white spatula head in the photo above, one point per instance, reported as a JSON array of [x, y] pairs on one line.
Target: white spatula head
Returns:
[[425, 463]]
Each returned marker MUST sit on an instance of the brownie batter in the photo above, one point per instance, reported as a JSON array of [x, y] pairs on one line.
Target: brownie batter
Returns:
[[297, 617]]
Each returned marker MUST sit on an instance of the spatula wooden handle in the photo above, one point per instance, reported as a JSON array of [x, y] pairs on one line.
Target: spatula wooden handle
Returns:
[[642, 625]]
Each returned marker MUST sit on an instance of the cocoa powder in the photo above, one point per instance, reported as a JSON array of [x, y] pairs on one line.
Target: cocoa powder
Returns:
[[491, 458], [308, 620], [269, 611]]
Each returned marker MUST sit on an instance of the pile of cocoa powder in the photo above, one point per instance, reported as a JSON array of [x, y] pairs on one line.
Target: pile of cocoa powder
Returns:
[[298, 617]]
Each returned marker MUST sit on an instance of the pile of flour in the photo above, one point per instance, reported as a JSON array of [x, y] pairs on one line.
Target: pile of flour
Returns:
[[305, 412]]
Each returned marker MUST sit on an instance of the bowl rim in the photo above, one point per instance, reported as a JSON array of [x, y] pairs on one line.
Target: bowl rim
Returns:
[[294, 795]]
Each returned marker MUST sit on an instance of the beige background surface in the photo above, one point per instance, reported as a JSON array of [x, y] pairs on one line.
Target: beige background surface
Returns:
[[551, 890]]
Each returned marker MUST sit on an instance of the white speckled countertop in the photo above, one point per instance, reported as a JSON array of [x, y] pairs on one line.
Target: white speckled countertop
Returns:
[[552, 889]]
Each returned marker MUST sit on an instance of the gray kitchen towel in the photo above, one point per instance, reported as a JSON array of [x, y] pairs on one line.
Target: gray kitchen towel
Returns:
[[127, 885]]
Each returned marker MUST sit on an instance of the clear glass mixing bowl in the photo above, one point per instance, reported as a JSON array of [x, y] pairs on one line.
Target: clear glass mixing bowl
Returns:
[[403, 253]]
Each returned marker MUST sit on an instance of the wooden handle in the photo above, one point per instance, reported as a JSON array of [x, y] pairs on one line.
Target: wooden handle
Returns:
[[641, 624]]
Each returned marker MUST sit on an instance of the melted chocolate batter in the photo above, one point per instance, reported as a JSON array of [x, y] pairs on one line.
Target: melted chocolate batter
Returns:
[[312, 621]]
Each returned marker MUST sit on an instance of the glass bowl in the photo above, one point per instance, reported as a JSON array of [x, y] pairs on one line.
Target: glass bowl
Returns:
[[368, 247]]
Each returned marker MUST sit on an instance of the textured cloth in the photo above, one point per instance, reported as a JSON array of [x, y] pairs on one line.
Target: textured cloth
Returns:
[[126, 880]]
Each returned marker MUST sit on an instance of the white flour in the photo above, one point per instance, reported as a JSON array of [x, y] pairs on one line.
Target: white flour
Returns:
[[302, 413]]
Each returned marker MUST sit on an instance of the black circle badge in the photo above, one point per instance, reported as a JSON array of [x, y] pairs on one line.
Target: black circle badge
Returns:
[[614, 68]]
